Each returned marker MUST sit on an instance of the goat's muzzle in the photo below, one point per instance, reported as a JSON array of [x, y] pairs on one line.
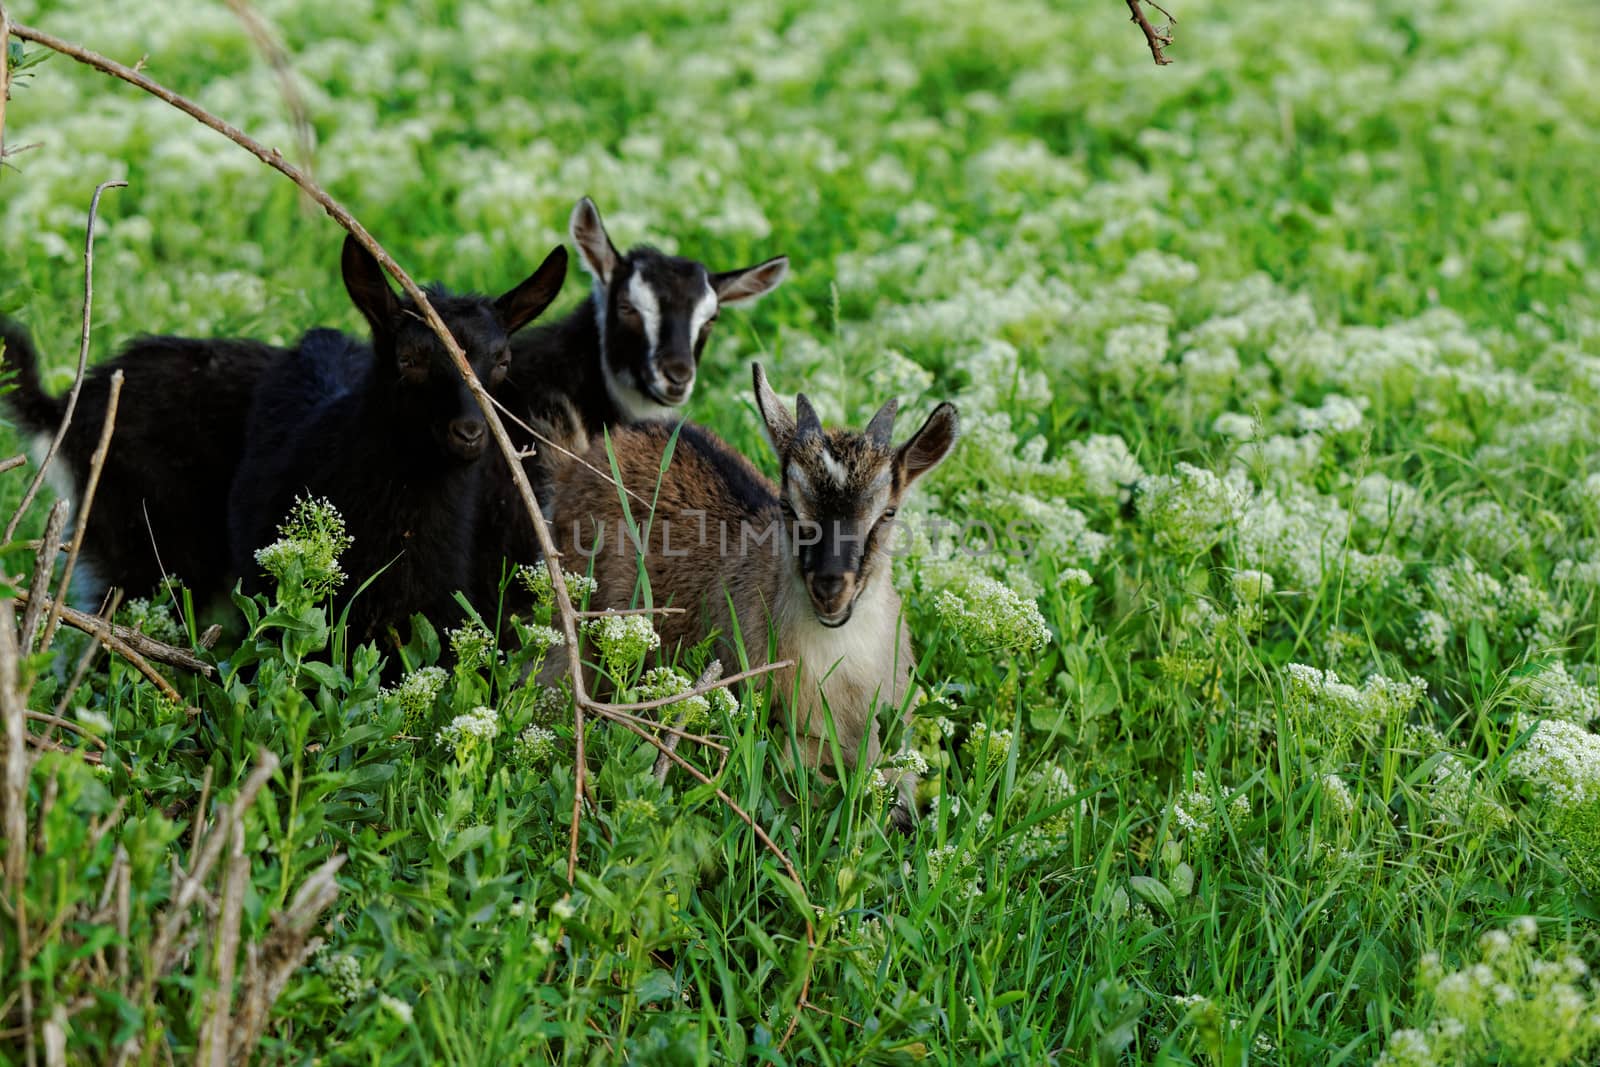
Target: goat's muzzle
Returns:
[[466, 438], [833, 597]]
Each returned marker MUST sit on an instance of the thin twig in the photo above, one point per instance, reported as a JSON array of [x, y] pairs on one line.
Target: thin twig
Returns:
[[1157, 39], [214, 1033], [44, 565], [85, 661], [12, 464], [569, 622], [83, 353], [97, 463], [702, 690], [630, 611], [5, 80], [66, 724], [188, 888], [278, 59], [14, 796], [113, 640], [118, 637], [675, 732]]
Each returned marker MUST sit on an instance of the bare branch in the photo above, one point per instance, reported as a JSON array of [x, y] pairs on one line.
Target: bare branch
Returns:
[[81, 671], [124, 640], [582, 702], [14, 798], [675, 733], [83, 353], [43, 567], [1157, 39], [267, 41], [97, 463]]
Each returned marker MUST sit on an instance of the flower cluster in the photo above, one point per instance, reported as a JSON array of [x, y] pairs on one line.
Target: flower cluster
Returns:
[[623, 640], [1516, 1004], [471, 736], [415, 694], [310, 542]]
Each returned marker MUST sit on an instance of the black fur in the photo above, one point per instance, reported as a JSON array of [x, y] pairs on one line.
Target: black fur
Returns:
[[560, 369], [162, 503], [389, 434]]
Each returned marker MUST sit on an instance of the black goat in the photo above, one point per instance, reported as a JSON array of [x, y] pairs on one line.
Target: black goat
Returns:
[[626, 354], [390, 435], [162, 501]]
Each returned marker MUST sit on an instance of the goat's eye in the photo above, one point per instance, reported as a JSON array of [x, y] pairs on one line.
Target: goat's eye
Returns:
[[626, 309], [413, 367], [787, 509], [888, 513]]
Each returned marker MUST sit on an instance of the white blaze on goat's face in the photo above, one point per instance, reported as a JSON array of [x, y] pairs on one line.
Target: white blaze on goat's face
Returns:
[[644, 301], [702, 313], [834, 468]]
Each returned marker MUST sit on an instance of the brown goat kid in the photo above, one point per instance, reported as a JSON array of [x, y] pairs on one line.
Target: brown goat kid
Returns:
[[798, 571]]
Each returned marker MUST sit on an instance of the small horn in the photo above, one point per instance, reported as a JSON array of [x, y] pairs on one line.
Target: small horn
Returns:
[[806, 421], [881, 429]]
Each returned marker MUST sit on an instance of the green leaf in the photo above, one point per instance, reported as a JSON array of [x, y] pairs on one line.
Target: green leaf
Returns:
[[1154, 891]]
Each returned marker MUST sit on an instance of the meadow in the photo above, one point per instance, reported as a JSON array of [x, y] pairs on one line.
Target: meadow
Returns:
[[1259, 731]]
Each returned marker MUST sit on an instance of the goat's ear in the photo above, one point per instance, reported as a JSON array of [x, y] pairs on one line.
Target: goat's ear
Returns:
[[595, 249], [806, 422], [880, 431], [524, 303], [750, 284], [929, 445], [368, 286], [780, 424]]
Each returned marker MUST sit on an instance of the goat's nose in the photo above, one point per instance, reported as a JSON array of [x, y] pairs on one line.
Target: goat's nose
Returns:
[[827, 587], [679, 374], [468, 433]]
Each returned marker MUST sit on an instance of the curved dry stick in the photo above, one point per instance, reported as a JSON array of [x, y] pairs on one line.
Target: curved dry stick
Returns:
[[582, 702], [83, 352], [96, 464], [125, 637], [44, 563], [5, 74], [259, 31], [1156, 39]]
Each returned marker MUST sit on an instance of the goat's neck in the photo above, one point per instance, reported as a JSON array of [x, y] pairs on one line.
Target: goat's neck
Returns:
[[864, 645]]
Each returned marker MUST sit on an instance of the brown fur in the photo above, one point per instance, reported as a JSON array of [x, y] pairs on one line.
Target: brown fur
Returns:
[[773, 594]]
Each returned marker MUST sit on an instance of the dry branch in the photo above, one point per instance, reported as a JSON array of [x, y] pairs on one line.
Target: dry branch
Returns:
[[124, 640], [43, 566], [1157, 39], [96, 464], [261, 33], [582, 702], [83, 354], [14, 797]]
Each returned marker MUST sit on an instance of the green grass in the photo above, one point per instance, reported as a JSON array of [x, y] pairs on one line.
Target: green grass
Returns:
[[1006, 205]]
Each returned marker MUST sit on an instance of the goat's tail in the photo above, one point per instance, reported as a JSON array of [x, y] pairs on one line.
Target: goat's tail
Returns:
[[36, 411], [561, 438]]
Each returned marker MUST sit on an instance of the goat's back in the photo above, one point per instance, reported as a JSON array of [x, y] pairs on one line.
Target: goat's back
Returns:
[[710, 504], [161, 504]]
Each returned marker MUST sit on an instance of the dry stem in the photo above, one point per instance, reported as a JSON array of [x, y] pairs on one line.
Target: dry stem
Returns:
[[43, 567], [14, 796], [569, 619], [96, 464], [83, 353], [1157, 39], [124, 640]]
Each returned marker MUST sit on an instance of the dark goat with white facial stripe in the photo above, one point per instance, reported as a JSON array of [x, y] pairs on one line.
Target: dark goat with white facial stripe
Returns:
[[798, 571], [628, 353]]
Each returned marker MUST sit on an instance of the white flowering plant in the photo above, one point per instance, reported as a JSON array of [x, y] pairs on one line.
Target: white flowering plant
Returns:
[[1279, 379]]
